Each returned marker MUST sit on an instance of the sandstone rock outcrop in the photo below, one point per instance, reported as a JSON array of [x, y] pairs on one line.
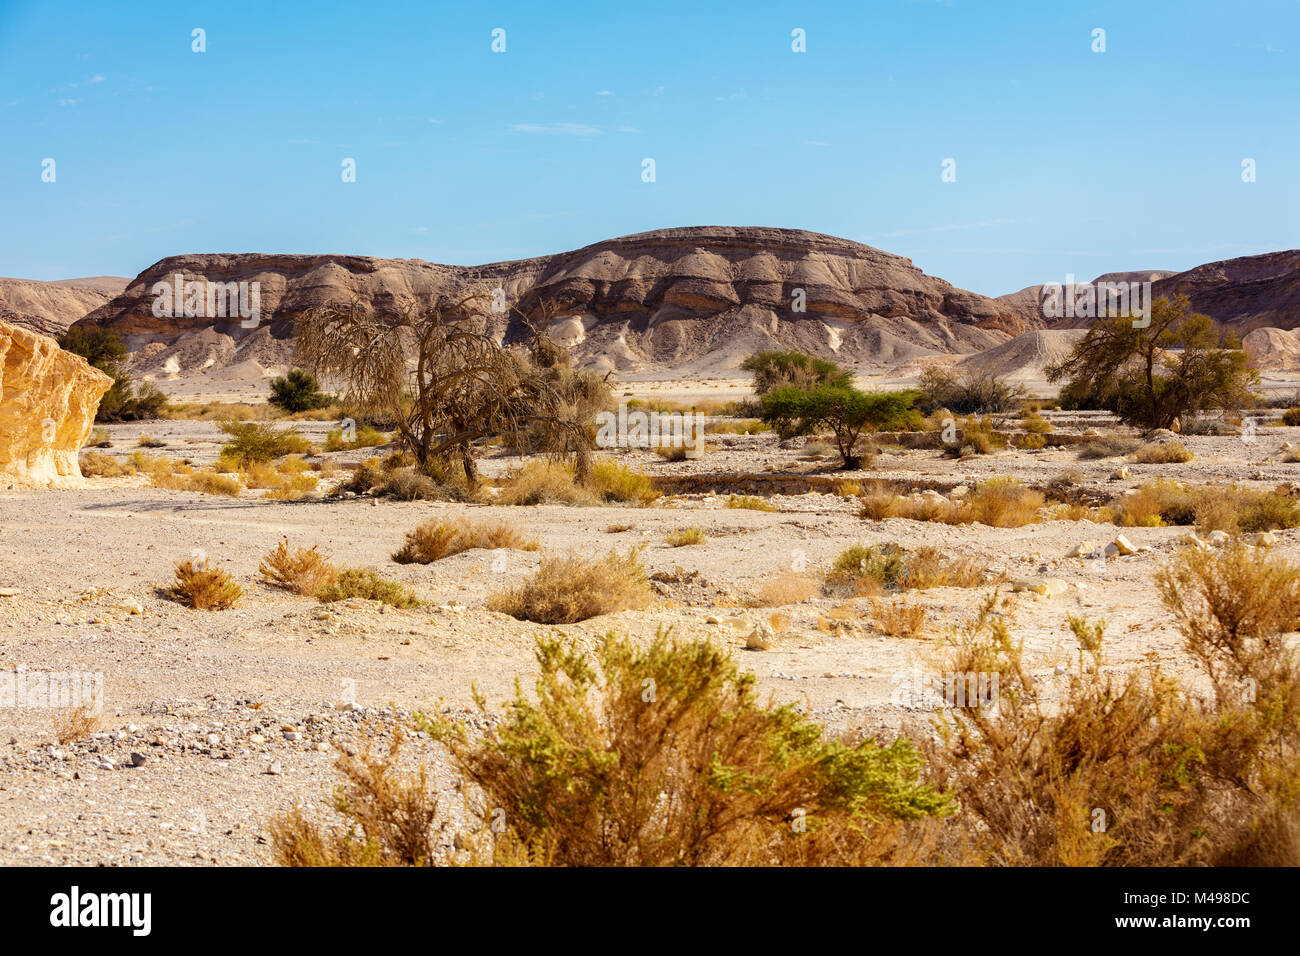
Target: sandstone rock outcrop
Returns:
[[48, 399], [1273, 349], [697, 300]]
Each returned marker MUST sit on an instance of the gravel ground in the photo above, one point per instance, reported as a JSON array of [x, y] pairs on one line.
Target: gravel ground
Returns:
[[215, 721]]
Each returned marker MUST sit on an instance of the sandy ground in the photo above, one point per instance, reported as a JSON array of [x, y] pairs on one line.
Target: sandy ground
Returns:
[[235, 715]]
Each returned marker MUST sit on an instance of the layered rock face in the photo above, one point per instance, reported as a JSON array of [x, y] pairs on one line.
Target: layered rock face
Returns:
[[696, 299], [48, 399], [50, 307], [1247, 293]]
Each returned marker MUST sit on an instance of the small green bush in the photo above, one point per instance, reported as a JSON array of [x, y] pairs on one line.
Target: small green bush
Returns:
[[366, 584], [297, 392], [255, 442]]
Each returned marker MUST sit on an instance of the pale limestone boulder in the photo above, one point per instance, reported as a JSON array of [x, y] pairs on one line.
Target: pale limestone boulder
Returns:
[[48, 399]]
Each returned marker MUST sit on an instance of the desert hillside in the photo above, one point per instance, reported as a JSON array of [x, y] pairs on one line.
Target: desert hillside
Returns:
[[696, 299], [1246, 293], [50, 307]]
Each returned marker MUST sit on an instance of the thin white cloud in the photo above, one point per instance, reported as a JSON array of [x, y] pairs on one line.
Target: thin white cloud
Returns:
[[604, 92], [97, 78], [628, 129], [561, 129], [813, 142]]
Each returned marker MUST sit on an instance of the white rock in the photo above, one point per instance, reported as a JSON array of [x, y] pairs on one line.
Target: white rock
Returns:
[[1082, 549], [1219, 539], [1124, 546], [1027, 584], [761, 637]]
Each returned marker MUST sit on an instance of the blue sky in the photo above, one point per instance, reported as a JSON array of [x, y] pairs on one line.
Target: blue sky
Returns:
[[1066, 160]]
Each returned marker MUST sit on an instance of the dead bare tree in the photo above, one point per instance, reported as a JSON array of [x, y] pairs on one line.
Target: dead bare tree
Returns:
[[447, 383]]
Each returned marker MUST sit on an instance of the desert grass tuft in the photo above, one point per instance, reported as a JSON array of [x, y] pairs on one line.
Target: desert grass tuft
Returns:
[[299, 570], [997, 502], [1107, 446], [205, 588], [545, 482], [385, 818], [681, 537], [897, 618], [1162, 453], [573, 588], [617, 482], [75, 723], [365, 584], [788, 587], [750, 503], [435, 540]]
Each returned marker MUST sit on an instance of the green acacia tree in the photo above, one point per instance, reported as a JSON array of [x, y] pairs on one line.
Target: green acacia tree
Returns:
[[1154, 372], [126, 400], [776, 368], [298, 391], [846, 411]]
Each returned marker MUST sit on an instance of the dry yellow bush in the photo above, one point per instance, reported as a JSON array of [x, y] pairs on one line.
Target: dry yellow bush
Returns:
[[617, 482], [1162, 453], [788, 587], [435, 540], [95, 464], [927, 567], [205, 589], [750, 503], [389, 818], [898, 618], [681, 537], [544, 482], [75, 723], [300, 570], [573, 588], [998, 502]]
